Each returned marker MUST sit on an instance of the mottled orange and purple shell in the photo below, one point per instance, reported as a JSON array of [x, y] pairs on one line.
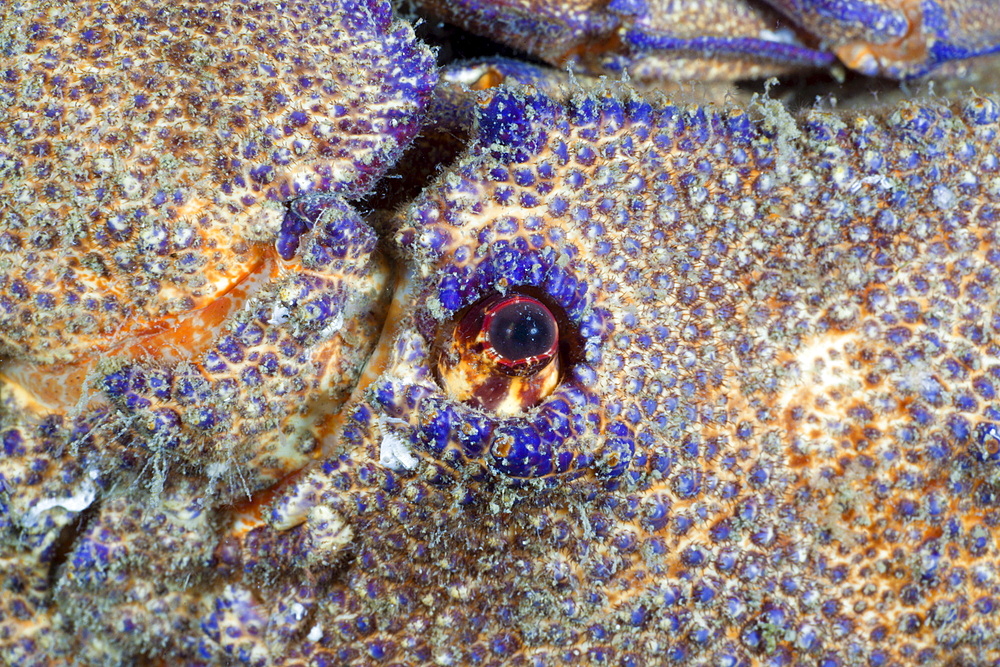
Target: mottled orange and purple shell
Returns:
[[612, 379]]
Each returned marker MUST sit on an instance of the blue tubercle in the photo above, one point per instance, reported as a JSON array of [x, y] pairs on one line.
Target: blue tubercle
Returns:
[[515, 122]]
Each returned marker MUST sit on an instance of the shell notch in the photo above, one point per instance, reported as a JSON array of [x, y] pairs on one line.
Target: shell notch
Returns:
[[503, 355]]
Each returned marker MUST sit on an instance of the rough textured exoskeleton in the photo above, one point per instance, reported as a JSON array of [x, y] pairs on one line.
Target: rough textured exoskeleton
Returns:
[[748, 415], [185, 293], [770, 443]]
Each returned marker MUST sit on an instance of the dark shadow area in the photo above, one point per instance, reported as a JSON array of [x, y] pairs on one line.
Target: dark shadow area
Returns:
[[64, 543]]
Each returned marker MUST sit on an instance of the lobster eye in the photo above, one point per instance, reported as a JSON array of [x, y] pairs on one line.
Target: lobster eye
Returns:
[[503, 354], [520, 331]]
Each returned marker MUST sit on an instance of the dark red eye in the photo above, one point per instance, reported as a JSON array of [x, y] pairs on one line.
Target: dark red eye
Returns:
[[520, 332], [503, 355]]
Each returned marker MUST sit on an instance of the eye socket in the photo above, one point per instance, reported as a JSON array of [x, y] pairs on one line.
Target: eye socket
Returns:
[[503, 355]]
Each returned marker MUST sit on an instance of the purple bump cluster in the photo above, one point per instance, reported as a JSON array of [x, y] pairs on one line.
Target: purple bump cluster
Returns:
[[212, 140]]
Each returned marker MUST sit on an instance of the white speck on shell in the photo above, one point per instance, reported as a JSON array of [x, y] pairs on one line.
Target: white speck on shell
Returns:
[[78, 502], [279, 314], [395, 454]]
